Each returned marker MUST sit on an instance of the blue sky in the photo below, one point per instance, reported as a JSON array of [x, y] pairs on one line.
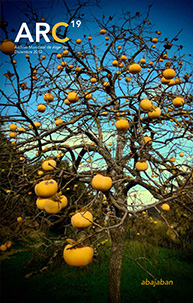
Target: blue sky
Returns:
[[168, 16]]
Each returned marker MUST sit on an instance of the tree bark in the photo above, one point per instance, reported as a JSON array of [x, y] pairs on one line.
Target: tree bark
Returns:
[[115, 267]]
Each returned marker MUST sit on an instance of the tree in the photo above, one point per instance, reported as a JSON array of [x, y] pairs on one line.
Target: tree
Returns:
[[125, 110]]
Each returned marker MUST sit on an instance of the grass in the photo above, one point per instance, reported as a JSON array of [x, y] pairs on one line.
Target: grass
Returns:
[[61, 283]]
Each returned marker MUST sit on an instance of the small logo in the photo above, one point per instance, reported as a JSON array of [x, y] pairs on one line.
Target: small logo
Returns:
[[157, 282]]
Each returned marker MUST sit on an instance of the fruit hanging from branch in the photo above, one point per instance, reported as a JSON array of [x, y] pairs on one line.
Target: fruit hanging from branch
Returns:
[[48, 97], [178, 102], [134, 68], [52, 206], [7, 47], [49, 165], [78, 256], [169, 73], [102, 183], [146, 105], [154, 113], [82, 219], [122, 124], [141, 165], [46, 188]]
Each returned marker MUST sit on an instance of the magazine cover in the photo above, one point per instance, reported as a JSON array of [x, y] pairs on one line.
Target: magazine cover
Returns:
[[96, 145]]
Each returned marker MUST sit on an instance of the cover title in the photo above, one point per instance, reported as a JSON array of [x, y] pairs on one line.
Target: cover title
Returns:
[[24, 32]]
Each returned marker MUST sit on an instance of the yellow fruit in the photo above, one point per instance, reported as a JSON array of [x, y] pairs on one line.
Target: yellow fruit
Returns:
[[48, 165], [169, 73], [102, 31], [141, 165], [154, 113], [123, 58], [37, 124], [178, 102], [65, 52], [8, 244], [82, 219], [58, 121], [89, 38], [88, 96], [165, 56], [165, 207], [101, 183], [154, 40], [164, 80], [181, 154], [78, 256], [40, 172], [142, 61], [59, 56], [178, 81], [13, 135], [127, 79], [122, 125], [46, 188], [78, 69], [146, 105], [73, 97], [59, 67], [48, 97], [115, 63], [93, 80], [19, 219], [63, 63], [41, 108], [7, 47], [134, 68], [67, 102], [22, 130], [40, 203], [3, 247], [78, 41], [172, 159], [171, 82], [13, 127], [64, 201], [43, 57], [52, 206], [147, 140]]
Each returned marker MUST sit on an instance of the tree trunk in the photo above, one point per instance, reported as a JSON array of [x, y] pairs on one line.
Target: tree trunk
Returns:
[[115, 267]]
